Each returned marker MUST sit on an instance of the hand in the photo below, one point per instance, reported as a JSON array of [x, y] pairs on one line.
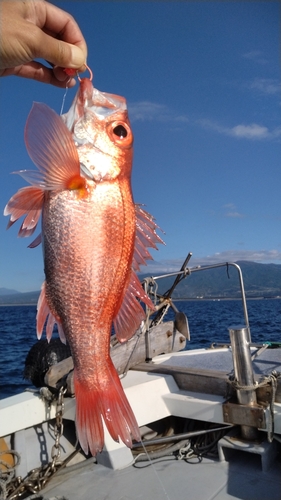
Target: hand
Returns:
[[34, 29]]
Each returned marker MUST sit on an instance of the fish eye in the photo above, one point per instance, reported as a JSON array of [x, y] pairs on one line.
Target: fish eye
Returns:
[[120, 131]]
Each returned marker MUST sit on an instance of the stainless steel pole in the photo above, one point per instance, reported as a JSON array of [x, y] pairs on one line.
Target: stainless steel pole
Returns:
[[243, 371]]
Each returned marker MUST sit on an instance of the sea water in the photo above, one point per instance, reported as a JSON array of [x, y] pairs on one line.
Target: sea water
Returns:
[[209, 321]]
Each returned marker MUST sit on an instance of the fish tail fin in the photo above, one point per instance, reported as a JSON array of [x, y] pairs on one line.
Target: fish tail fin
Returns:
[[105, 401]]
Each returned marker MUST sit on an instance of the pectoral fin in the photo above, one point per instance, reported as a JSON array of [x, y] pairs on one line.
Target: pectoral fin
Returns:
[[27, 201], [50, 146]]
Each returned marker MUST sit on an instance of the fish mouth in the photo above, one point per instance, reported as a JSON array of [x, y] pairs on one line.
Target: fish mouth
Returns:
[[101, 104]]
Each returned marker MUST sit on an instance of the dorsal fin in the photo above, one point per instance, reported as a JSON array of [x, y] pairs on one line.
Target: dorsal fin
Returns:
[[131, 313], [146, 237]]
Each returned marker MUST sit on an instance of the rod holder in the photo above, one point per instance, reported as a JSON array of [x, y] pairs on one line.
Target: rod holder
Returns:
[[243, 371]]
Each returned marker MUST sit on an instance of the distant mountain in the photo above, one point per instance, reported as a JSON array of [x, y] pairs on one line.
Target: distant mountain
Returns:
[[7, 291], [260, 280], [19, 298]]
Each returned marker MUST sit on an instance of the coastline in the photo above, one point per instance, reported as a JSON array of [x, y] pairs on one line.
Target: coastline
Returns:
[[177, 299]]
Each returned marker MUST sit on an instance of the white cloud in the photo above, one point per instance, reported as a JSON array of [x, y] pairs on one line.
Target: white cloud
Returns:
[[252, 131], [211, 125], [157, 268], [151, 111], [267, 86], [230, 206], [231, 211], [234, 214], [181, 118], [255, 56], [262, 256], [173, 265], [146, 110]]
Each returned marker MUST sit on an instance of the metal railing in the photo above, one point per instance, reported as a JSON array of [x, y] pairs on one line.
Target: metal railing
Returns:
[[166, 301]]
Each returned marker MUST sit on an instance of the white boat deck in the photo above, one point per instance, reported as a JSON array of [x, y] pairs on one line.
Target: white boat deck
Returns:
[[245, 475], [171, 480], [221, 360], [241, 477]]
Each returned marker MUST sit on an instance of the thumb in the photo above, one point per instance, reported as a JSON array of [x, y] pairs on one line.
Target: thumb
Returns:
[[59, 53]]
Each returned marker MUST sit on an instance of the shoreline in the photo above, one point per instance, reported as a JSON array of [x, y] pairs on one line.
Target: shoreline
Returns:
[[183, 299]]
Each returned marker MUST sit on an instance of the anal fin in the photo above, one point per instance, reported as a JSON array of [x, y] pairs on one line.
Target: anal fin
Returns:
[[44, 314]]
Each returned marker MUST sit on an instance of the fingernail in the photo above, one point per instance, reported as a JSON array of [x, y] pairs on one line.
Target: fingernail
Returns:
[[77, 57]]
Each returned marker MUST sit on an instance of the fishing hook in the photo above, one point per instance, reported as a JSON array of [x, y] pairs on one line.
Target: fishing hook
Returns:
[[90, 71], [72, 72]]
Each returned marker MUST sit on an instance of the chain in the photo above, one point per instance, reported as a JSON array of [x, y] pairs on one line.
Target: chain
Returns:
[[7, 471], [188, 454], [58, 428], [37, 478], [185, 451]]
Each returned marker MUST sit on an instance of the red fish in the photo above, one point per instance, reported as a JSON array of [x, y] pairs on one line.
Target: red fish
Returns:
[[94, 239]]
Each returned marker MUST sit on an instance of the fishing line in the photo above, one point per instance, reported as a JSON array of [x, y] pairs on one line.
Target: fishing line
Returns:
[[64, 96], [155, 472], [66, 87]]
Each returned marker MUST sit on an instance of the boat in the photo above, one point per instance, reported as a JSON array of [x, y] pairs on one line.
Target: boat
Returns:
[[210, 419]]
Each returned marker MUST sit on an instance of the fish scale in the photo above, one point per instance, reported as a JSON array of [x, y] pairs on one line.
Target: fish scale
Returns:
[[88, 258], [88, 253]]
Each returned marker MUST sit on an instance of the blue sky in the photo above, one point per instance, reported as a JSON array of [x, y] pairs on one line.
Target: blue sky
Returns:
[[202, 81]]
